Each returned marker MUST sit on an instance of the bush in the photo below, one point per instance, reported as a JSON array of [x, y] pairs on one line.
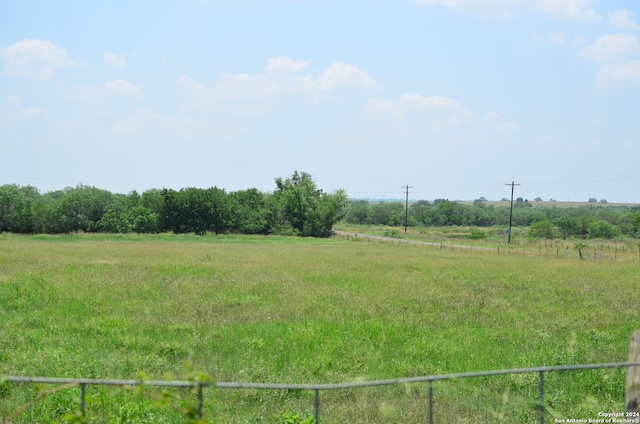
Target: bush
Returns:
[[602, 229], [543, 230]]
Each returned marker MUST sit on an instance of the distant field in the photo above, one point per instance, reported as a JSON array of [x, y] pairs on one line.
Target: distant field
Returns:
[[541, 203], [558, 204], [286, 309]]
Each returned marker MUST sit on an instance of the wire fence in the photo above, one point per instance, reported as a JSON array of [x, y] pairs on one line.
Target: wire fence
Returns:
[[596, 251], [199, 386]]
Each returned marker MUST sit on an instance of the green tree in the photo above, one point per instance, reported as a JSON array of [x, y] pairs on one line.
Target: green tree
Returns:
[[543, 230], [357, 212], [152, 199], [579, 246], [248, 212], [78, 209], [141, 220], [450, 213], [306, 210], [194, 210], [419, 211], [602, 229], [17, 208], [635, 225], [569, 227], [386, 213]]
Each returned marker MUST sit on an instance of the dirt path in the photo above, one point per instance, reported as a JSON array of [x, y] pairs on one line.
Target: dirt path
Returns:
[[370, 237]]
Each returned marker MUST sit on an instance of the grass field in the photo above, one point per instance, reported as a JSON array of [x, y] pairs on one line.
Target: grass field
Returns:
[[292, 310], [495, 239]]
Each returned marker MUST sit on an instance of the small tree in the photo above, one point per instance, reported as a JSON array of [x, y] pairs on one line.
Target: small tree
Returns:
[[306, 210], [579, 246], [602, 229], [543, 230]]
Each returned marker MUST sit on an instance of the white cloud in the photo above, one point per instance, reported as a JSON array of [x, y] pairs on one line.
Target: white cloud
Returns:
[[146, 123], [283, 80], [617, 75], [431, 113], [579, 40], [100, 99], [13, 114], [572, 9], [113, 59], [613, 48], [623, 20], [502, 8], [189, 84], [34, 59], [618, 58], [285, 65], [556, 38], [123, 88], [342, 76], [13, 100]]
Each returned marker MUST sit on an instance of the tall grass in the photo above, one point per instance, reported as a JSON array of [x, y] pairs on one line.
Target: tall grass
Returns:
[[291, 310]]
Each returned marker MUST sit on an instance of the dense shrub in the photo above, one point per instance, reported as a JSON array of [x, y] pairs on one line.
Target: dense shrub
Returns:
[[543, 230]]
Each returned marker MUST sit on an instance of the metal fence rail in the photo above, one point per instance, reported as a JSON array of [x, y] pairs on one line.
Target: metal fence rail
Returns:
[[83, 382]]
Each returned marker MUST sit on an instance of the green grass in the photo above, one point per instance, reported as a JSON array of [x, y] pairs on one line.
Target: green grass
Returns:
[[495, 238], [292, 310]]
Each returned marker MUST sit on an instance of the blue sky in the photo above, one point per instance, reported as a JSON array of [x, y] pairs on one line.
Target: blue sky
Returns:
[[454, 98]]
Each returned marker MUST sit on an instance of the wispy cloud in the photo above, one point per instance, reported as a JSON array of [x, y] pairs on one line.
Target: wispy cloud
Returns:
[[284, 78], [579, 10], [618, 58], [623, 20], [34, 59], [113, 60], [123, 88], [619, 75], [613, 48], [501, 8]]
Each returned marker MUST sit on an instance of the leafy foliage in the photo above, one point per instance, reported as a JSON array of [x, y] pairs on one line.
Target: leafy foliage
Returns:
[[305, 209], [295, 418], [17, 208], [543, 230], [545, 223], [296, 207]]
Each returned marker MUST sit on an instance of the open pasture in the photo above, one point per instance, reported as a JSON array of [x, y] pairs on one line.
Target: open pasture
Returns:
[[293, 310]]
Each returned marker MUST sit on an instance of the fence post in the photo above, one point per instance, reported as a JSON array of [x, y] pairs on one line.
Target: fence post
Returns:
[[541, 393], [633, 375], [430, 401], [317, 407], [83, 393], [200, 400]]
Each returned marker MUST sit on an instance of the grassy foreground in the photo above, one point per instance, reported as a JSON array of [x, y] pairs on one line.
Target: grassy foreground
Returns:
[[291, 310]]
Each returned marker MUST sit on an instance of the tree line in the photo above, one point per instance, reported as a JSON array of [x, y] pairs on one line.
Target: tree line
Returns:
[[296, 207], [590, 221]]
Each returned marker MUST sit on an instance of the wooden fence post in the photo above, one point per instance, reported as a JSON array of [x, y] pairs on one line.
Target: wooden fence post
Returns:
[[633, 375]]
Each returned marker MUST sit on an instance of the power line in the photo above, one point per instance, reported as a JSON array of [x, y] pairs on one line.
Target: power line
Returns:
[[406, 209], [513, 184]]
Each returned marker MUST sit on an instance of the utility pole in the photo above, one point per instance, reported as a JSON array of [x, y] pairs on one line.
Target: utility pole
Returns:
[[513, 184], [406, 209]]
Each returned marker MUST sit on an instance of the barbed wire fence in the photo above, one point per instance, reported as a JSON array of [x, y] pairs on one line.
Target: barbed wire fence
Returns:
[[633, 386], [584, 250]]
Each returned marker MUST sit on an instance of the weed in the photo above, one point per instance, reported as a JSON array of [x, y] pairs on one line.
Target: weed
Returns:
[[292, 417]]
